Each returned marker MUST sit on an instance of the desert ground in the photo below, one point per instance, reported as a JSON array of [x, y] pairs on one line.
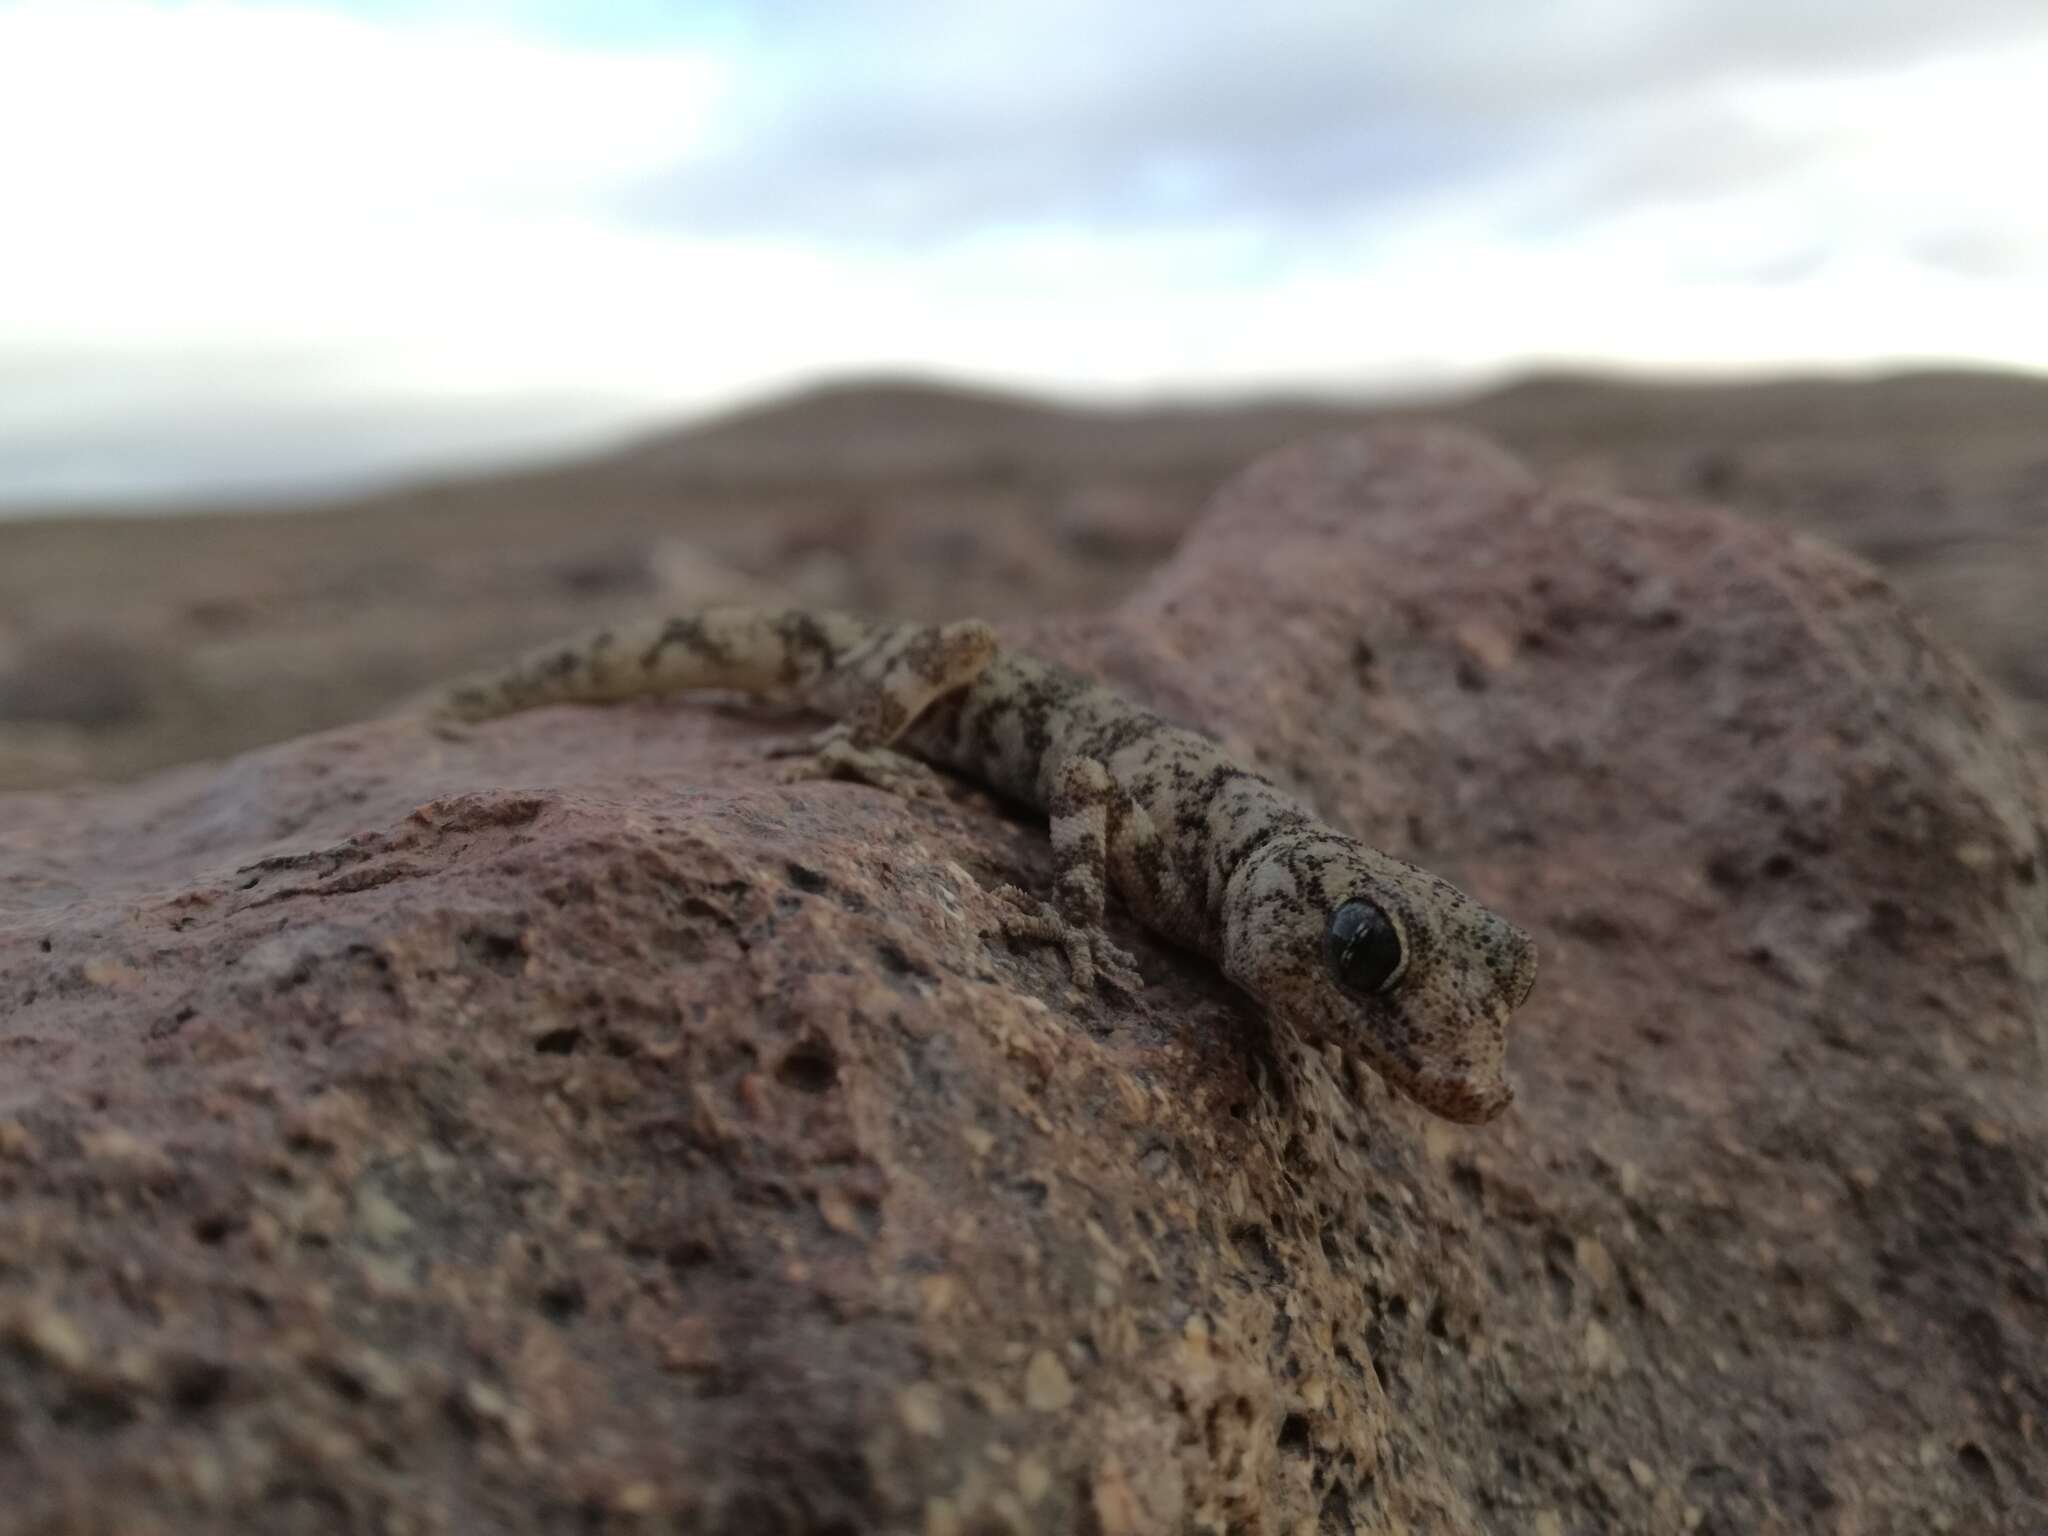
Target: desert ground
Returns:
[[132, 642]]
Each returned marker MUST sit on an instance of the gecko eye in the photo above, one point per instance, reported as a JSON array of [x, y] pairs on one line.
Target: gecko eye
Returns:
[[1364, 947]]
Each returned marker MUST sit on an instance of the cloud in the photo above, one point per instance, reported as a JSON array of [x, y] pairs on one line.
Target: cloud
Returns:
[[891, 123], [361, 233]]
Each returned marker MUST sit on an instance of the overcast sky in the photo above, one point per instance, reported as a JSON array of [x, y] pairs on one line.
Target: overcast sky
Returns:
[[249, 244]]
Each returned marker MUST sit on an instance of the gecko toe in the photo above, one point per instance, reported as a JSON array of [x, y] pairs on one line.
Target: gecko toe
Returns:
[[1019, 900], [808, 751], [1090, 956], [833, 756], [1118, 967]]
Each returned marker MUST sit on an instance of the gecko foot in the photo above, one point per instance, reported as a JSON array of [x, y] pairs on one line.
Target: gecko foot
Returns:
[[831, 754], [1090, 954]]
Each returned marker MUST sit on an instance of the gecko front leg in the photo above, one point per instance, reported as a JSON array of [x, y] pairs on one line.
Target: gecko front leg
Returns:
[[877, 697], [843, 751], [1083, 797]]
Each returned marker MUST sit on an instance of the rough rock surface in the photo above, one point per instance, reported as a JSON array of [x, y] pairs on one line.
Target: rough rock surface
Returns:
[[568, 1129]]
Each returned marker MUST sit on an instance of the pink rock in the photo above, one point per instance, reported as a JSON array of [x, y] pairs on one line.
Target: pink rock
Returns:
[[569, 1127]]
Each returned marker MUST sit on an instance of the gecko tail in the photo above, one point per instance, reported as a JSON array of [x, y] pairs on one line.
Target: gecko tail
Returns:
[[775, 653]]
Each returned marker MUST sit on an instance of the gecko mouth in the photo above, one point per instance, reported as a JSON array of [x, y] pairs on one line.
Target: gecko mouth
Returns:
[[1463, 1099], [1471, 1085], [1471, 1092]]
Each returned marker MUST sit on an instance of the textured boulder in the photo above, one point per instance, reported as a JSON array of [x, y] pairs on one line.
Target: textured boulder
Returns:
[[570, 1129]]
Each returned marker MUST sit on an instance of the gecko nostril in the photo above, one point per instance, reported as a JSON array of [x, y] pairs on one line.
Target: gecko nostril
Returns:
[[1509, 956], [1516, 979]]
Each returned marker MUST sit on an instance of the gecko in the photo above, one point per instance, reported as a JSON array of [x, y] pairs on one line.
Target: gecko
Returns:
[[1343, 941]]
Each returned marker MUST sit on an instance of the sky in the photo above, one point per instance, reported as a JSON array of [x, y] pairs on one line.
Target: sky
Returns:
[[249, 247]]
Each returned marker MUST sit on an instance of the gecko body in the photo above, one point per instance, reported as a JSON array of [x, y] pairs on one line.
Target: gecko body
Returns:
[[1344, 941]]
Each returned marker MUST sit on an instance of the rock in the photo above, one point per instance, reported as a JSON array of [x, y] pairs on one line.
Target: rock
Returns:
[[34, 756], [78, 679], [568, 1128]]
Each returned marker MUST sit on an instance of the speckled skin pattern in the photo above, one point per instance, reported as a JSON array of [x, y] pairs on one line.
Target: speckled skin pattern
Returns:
[[1203, 852]]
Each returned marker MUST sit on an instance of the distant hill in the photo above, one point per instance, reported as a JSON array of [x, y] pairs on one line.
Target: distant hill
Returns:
[[1921, 402], [917, 497], [890, 429]]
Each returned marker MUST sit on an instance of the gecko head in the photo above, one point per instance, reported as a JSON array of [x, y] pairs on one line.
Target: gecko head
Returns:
[[1355, 946]]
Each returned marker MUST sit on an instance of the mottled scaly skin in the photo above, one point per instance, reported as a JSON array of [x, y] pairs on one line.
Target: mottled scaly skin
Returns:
[[1202, 851]]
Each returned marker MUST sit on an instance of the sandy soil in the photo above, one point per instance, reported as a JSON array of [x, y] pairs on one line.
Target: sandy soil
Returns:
[[130, 643]]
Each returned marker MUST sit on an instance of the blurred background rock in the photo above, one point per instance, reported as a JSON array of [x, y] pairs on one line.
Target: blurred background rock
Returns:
[[133, 642], [348, 344]]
